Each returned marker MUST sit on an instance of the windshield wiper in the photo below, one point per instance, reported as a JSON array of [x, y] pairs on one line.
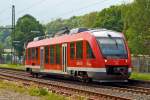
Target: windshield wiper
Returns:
[[116, 43]]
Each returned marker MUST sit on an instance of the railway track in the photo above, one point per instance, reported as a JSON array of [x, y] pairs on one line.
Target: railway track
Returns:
[[91, 91], [133, 89]]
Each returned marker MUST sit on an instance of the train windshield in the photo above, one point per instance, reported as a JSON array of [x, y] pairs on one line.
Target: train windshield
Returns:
[[113, 47]]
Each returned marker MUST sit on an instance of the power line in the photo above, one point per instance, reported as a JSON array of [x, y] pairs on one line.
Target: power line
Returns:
[[31, 6], [63, 14], [58, 4], [79, 9], [4, 10]]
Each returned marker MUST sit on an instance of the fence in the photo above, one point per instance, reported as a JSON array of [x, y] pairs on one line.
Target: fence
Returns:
[[141, 63]]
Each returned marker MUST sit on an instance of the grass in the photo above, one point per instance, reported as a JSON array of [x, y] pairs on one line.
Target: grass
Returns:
[[31, 90], [14, 66], [140, 76]]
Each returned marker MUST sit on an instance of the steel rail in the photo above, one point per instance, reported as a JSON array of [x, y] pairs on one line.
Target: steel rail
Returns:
[[68, 91], [121, 88]]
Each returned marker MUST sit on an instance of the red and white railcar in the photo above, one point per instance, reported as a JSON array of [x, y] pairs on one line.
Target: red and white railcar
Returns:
[[96, 54]]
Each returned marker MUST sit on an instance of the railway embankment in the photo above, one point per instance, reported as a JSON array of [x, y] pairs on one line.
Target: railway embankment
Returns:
[[18, 91], [12, 66], [69, 89], [135, 75]]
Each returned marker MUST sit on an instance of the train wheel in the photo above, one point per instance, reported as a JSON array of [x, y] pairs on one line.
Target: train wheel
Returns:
[[35, 75], [29, 70], [83, 77], [86, 80]]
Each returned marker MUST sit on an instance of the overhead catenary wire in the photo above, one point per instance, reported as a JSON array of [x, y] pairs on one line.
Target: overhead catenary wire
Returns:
[[61, 15], [29, 7], [57, 4], [79, 9], [4, 10]]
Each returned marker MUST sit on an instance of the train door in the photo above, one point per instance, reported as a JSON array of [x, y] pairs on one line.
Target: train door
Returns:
[[64, 57], [42, 57]]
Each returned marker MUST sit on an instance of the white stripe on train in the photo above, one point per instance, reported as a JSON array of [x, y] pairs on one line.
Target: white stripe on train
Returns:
[[75, 68]]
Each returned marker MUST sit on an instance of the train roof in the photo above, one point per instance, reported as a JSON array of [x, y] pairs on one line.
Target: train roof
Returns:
[[61, 39], [87, 35], [106, 33]]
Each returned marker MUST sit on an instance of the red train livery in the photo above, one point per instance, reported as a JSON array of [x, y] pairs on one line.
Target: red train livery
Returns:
[[94, 54]]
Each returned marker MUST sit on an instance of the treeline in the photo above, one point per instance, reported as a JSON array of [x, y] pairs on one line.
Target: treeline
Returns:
[[5, 36], [132, 19], [5, 39], [110, 18]]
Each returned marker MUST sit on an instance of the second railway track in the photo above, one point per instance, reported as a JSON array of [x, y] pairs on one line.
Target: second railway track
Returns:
[[91, 91]]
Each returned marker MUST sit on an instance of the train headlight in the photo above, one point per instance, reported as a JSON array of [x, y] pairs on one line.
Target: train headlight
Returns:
[[105, 61]]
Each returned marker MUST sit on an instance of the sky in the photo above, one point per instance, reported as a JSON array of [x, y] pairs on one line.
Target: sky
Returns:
[[48, 10]]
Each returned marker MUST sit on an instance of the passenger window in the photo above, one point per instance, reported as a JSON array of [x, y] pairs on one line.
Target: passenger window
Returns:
[[33, 53], [72, 50], [51, 54], [57, 54], [89, 52], [36, 53], [29, 54], [79, 50], [46, 55]]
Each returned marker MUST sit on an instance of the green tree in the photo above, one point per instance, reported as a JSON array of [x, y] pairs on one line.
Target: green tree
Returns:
[[137, 26], [110, 18], [89, 20], [1, 50], [4, 35], [55, 25], [23, 33]]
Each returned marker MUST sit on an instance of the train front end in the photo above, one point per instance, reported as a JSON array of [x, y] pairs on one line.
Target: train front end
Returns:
[[115, 56]]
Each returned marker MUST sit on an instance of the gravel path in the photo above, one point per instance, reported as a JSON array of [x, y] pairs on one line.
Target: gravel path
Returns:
[[10, 95]]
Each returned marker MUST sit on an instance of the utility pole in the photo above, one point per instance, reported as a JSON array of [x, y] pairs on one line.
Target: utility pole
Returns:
[[13, 33]]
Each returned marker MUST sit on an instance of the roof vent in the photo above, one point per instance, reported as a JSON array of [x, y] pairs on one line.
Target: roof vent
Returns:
[[64, 30]]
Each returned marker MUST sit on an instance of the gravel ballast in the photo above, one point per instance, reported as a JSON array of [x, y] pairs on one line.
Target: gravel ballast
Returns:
[[11, 95]]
